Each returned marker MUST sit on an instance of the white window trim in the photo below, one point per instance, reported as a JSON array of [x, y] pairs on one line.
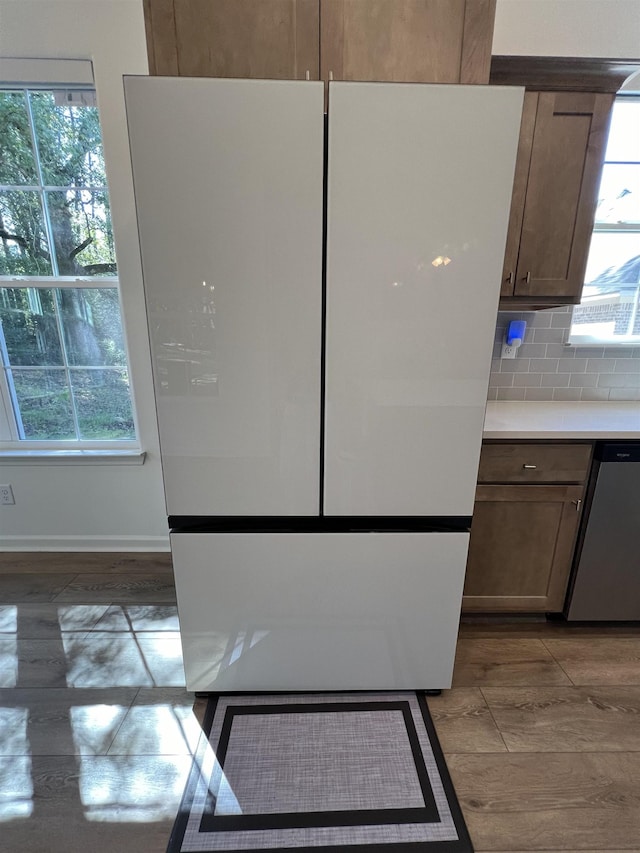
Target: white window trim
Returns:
[[46, 73], [27, 73], [77, 456], [58, 281]]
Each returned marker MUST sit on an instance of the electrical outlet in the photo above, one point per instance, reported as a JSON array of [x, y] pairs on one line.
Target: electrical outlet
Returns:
[[6, 494], [508, 351]]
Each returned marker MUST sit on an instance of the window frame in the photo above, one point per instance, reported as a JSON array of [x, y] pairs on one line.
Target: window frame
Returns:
[[10, 442], [613, 228]]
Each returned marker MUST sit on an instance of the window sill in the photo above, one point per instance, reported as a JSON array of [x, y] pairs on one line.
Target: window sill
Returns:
[[595, 341], [72, 457]]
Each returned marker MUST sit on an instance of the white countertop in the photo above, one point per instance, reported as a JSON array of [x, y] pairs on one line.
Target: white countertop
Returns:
[[562, 420]]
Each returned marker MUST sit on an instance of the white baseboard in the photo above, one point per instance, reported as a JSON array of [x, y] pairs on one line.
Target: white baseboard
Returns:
[[84, 543]]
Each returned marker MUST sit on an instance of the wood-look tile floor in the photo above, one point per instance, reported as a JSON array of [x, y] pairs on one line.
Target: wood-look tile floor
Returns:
[[541, 732], [541, 729]]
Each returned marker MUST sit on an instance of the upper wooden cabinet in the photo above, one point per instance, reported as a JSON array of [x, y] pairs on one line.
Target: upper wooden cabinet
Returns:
[[269, 39], [433, 41], [562, 143], [415, 41], [563, 137]]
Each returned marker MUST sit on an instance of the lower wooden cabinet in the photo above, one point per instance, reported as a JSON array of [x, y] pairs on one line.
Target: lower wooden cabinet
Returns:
[[521, 547], [526, 516]]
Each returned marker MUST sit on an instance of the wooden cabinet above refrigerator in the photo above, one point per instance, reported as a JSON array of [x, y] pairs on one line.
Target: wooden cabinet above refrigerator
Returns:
[[416, 41]]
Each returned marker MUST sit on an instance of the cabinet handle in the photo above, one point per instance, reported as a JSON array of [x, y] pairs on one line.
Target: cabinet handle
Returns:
[[510, 277], [527, 277], [530, 467], [577, 504]]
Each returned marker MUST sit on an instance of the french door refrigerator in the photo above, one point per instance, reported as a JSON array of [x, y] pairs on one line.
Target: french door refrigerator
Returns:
[[321, 297]]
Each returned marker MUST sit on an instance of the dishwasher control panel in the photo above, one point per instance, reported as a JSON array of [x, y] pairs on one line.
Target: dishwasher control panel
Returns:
[[619, 452]]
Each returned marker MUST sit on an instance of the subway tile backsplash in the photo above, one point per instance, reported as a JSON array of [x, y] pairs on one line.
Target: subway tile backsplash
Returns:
[[546, 369]]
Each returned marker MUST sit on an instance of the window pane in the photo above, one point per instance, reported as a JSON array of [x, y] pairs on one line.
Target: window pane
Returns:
[[17, 165], [624, 136], [81, 230], [45, 404], [69, 143], [608, 316], [23, 242], [29, 326], [619, 196], [609, 305], [103, 404], [91, 326], [613, 259]]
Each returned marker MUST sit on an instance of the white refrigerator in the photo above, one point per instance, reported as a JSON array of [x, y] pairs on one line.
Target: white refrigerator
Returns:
[[321, 296]]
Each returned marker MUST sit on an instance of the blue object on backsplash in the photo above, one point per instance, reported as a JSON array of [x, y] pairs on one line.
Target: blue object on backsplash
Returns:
[[515, 332]]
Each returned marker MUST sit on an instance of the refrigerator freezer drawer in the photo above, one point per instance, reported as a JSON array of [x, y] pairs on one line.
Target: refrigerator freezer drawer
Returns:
[[319, 611]]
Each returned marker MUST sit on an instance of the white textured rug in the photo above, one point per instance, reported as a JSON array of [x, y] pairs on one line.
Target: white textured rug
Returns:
[[319, 772]]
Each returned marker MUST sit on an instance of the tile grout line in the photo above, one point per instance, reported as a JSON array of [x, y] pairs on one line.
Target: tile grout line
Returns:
[[495, 722], [550, 752], [54, 600], [558, 663], [131, 704], [544, 754]]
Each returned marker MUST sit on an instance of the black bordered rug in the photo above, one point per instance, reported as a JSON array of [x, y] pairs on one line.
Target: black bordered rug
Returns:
[[319, 772]]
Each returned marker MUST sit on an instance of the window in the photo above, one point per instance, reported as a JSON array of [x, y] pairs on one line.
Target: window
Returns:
[[609, 311], [64, 375]]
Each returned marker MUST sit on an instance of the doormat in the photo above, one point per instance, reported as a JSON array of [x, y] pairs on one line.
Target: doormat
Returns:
[[319, 772]]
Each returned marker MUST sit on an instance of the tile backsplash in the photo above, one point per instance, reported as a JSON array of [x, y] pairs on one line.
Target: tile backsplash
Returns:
[[546, 369]]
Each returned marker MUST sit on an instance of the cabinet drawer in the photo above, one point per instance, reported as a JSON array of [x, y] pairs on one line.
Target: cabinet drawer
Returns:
[[534, 463]]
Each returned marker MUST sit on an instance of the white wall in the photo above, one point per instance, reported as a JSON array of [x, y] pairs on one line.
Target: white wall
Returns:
[[76, 506], [604, 28]]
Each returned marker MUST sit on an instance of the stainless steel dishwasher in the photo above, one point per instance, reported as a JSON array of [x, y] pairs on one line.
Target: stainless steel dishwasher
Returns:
[[606, 576]]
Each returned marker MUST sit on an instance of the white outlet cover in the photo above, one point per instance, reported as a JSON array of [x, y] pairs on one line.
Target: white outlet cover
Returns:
[[508, 351], [6, 495]]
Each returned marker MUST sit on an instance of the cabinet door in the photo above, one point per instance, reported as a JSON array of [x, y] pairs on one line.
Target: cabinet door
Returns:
[[419, 41], [520, 179], [564, 173], [271, 39], [521, 548]]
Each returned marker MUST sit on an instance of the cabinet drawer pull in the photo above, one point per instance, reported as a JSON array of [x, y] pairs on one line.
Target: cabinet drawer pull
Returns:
[[530, 467], [510, 277], [527, 277], [577, 504]]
